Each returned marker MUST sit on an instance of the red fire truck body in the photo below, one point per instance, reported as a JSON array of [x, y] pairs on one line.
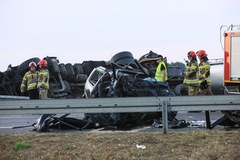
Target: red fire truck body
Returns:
[[232, 59]]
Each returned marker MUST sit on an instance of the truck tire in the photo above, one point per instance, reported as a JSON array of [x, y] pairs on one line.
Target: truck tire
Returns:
[[17, 79], [78, 68], [123, 58], [99, 63], [181, 90], [23, 68], [87, 67], [81, 78], [70, 71], [52, 65], [1, 76], [63, 71]]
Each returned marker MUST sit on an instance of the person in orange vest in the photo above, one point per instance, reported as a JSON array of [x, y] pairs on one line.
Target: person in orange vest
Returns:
[[161, 72], [204, 74], [191, 74], [43, 80], [29, 82]]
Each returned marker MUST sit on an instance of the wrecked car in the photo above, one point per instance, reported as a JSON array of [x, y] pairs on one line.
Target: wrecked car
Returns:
[[124, 77]]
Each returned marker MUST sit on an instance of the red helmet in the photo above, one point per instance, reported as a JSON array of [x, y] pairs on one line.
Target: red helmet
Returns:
[[192, 54], [42, 63], [32, 64], [201, 54]]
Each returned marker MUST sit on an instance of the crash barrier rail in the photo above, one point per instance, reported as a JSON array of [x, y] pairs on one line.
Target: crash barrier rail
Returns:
[[13, 97], [122, 105]]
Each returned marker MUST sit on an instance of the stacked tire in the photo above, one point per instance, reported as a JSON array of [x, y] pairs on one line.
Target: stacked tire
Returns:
[[88, 66], [81, 77], [52, 65], [124, 58], [78, 73], [63, 71], [70, 72]]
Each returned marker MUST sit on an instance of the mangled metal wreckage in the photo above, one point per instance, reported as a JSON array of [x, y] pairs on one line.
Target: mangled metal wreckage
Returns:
[[122, 77]]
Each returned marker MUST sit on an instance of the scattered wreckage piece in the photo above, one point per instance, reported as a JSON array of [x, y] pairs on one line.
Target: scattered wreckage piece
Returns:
[[48, 122]]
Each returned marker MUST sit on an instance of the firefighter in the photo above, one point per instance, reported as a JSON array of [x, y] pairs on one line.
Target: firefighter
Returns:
[[191, 74], [161, 72], [204, 74], [29, 82], [43, 80]]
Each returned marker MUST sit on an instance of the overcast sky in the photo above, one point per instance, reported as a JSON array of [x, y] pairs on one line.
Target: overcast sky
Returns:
[[77, 30]]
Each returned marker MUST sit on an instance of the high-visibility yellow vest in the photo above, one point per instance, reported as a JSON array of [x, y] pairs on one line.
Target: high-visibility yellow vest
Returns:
[[43, 79], [29, 80], [159, 73], [192, 74], [204, 72]]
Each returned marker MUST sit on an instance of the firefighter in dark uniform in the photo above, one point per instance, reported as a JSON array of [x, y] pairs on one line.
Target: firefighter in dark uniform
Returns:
[[43, 80], [191, 74], [29, 82], [204, 74]]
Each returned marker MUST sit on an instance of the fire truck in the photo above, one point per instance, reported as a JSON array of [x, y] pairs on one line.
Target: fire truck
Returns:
[[231, 59], [231, 69]]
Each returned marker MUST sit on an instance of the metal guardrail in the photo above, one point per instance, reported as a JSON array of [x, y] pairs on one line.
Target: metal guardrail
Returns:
[[13, 97], [123, 105]]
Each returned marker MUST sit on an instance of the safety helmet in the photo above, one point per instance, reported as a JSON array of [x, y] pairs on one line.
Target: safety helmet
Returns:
[[32, 64], [42, 63], [192, 54], [201, 54]]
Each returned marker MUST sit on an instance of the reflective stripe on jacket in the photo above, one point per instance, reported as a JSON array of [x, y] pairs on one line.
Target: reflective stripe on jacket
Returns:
[[159, 73], [204, 68], [43, 79], [29, 80], [192, 74]]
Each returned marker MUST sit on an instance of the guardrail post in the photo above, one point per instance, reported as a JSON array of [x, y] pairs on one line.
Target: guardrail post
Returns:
[[165, 117], [208, 121]]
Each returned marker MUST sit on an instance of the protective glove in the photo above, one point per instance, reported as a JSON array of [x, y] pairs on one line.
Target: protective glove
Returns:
[[39, 89], [23, 90], [203, 85]]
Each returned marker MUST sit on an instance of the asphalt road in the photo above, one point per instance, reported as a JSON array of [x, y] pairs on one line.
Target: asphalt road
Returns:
[[9, 121]]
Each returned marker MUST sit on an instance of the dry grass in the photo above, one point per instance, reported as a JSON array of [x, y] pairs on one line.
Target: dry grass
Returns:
[[175, 145]]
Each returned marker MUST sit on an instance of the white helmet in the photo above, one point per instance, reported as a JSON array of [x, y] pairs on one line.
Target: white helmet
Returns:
[[32, 64]]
